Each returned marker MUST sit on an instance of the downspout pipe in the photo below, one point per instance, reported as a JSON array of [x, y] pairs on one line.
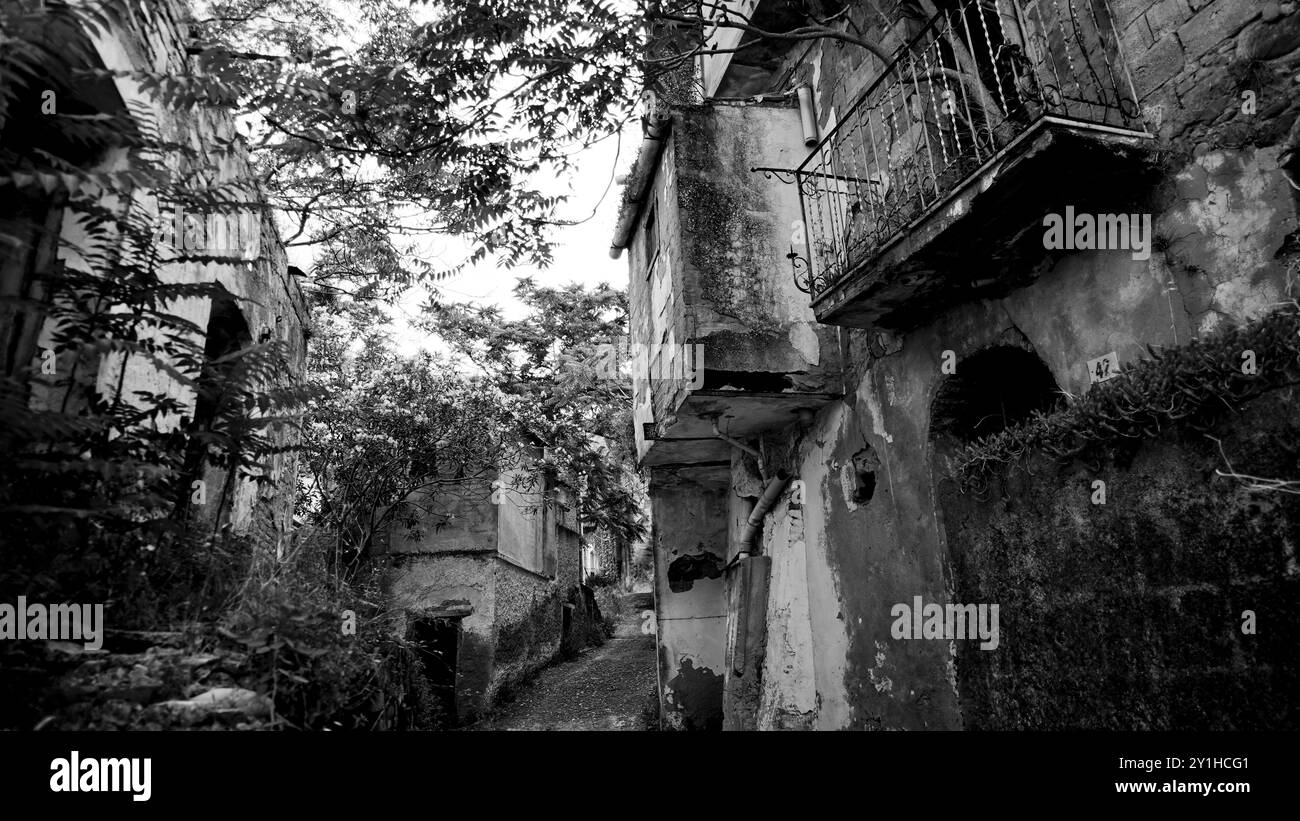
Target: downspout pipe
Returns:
[[638, 180], [808, 116], [773, 490]]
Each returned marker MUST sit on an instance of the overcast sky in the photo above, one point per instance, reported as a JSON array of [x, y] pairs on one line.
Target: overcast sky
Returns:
[[581, 251]]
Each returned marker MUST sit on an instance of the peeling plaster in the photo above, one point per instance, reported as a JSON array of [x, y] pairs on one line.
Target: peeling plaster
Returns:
[[830, 632], [1232, 231], [866, 392], [805, 341], [879, 680], [788, 677]]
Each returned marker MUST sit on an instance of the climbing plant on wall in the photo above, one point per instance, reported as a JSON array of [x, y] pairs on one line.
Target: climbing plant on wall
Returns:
[[1180, 388]]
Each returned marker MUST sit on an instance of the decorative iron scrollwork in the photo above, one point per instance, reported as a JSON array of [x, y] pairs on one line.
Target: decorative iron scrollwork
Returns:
[[779, 174], [1129, 108], [802, 271], [953, 98], [1052, 96]]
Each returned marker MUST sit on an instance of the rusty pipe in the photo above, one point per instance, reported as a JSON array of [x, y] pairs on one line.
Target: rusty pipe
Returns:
[[770, 493]]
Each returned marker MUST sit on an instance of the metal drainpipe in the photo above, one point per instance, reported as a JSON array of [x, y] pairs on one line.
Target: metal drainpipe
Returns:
[[808, 116], [770, 493]]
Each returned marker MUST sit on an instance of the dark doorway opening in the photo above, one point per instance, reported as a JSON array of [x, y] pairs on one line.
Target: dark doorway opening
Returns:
[[991, 391], [566, 622], [216, 394], [437, 644]]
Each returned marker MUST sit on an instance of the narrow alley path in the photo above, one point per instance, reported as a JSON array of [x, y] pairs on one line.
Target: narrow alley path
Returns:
[[606, 688]]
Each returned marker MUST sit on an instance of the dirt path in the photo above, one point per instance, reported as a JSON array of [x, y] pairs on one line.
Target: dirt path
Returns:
[[606, 688]]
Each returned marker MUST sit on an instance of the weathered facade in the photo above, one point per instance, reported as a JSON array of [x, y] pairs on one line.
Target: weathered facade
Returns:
[[491, 590], [240, 248], [863, 250]]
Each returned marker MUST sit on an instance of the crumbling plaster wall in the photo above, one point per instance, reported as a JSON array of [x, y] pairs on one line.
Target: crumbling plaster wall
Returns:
[[426, 584], [521, 523], [467, 521], [720, 277], [690, 543], [890, 549]]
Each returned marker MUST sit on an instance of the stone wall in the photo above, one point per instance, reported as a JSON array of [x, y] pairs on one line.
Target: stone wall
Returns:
[[1129, 614], [271, 302], [458, 586], [609, 552], [527, 624]]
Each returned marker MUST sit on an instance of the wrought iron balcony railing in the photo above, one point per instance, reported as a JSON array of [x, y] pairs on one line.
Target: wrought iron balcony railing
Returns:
[[978, 75]]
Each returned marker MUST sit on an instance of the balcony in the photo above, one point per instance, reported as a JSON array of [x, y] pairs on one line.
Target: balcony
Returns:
[[722, 342], [932, 188]]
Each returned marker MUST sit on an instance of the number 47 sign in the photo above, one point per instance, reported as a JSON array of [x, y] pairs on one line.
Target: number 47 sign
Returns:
[[1103, 367]]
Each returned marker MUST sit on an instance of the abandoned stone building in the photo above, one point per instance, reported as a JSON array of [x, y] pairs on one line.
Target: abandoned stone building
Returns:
[[490, 586], [906, 276], [99, 71]]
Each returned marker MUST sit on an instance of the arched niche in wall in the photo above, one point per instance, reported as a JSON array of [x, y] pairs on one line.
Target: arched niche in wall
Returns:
[[227, 332], [992, 390]]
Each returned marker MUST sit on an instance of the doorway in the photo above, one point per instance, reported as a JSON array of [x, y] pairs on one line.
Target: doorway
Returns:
[[437, 642]]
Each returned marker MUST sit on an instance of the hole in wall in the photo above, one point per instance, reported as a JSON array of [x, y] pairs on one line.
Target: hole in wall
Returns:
[[865, 465], [991, 391], [684, 571]]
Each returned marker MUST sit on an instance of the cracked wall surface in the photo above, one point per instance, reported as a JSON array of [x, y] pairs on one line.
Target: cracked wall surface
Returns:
[[690, 520]]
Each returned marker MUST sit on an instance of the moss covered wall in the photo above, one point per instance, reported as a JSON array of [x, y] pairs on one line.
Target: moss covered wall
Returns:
[[526, 624], [1128, 614], [736, 227]]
